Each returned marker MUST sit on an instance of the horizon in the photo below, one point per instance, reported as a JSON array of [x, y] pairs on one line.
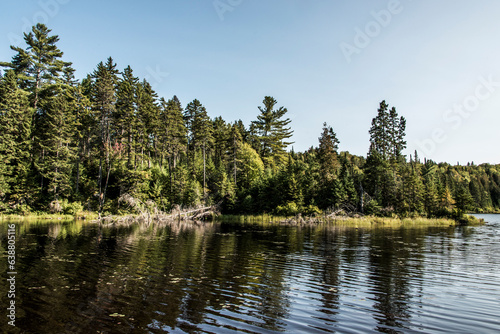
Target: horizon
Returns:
[[442, 77]]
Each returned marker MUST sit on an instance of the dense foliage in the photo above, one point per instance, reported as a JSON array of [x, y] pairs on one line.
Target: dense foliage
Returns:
[[67, 145]]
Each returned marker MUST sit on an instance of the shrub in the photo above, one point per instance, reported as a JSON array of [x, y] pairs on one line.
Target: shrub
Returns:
[[22, 209], [289, 209], [311, 210], [247, 204], [72, 208], [372, 208]]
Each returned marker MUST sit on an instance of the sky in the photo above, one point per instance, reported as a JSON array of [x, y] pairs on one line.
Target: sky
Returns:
[[324, 60]]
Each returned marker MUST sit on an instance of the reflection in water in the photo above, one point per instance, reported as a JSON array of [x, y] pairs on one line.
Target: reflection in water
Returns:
[[77, 277]]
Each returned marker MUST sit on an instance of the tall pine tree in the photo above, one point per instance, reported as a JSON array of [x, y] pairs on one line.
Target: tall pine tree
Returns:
[[15, 143], [272, 131]]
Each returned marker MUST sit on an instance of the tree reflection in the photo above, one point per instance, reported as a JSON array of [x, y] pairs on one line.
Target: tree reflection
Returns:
[[79, 278], [392, 272]]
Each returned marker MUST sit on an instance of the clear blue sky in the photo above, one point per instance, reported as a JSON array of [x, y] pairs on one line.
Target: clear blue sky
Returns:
[[437, 62]]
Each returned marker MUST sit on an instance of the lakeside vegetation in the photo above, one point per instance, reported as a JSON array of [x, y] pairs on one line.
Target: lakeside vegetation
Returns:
[[68, 146]]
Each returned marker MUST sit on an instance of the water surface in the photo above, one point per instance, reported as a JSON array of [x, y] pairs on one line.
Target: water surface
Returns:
[[76, 277]]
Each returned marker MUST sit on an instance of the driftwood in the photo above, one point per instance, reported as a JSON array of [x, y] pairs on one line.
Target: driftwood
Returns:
[[149, 212]]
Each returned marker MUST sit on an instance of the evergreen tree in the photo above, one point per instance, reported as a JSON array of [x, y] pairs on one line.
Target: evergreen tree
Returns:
[[327, 152], [463, 199], [15, 144], [40, 64], [202, 136], [57, 143], [412, 189], [235, 141], [200, 130], [397, 128], [347, 180], [172, 134], [445, 199], [104, 98], [387, 133], [125, 115], [148, 113], [430, 191], [272, 131], [220, 134], [83, 121]]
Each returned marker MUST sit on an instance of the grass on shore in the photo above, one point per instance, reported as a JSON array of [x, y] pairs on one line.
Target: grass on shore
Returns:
[[85, 215], [345, 220], [271, 219]]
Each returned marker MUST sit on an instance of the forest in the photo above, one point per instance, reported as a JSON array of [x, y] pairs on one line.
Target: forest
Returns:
[[68, 145]]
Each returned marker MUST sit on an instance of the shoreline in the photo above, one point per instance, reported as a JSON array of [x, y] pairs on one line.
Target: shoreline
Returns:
[[298, 220]]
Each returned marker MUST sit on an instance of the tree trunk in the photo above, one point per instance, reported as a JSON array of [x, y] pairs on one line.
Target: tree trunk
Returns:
[[234, 159], [204, 175]]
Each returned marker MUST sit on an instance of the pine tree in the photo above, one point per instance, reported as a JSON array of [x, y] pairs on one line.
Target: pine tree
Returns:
[[445, 199], [347, 180], [387, 133], [104, 99], [125, 115], [379, 132], [271, 131], [148, 113], [15, 144], [82, 118], [221, 134], [463, 199], [327, 153], [200, 134], [397, 128], [57, 143], [235, 140], [202, 137], [172, 135], [412, 189], [192, 109], [385, 157], [40, 64], [430, 191]]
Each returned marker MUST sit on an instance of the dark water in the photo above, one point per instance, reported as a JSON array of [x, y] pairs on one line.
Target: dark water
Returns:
[[75, 277]]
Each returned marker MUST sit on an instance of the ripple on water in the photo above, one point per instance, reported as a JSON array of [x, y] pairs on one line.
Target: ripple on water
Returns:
[[263, 280]]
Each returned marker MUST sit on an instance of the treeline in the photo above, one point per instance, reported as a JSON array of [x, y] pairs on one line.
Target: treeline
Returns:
[[68, 145]]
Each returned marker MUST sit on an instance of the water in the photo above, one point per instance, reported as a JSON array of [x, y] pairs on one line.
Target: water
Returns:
[[75, 277]]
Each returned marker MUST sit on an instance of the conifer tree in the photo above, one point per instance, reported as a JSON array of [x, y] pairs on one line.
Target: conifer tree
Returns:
[[57, 143], [192, 109], [348, 185], [104, 98], [82, 107], [202, 133], [271, 131], [327, 152], [148, 113], [235, 141], [125, 115], [411, 189], [463, 199], [15, 144], [40, 64], [172, 135], [220, 133], [387, 133]]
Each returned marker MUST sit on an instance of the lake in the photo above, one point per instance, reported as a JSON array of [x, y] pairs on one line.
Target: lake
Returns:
[[77, 277]]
